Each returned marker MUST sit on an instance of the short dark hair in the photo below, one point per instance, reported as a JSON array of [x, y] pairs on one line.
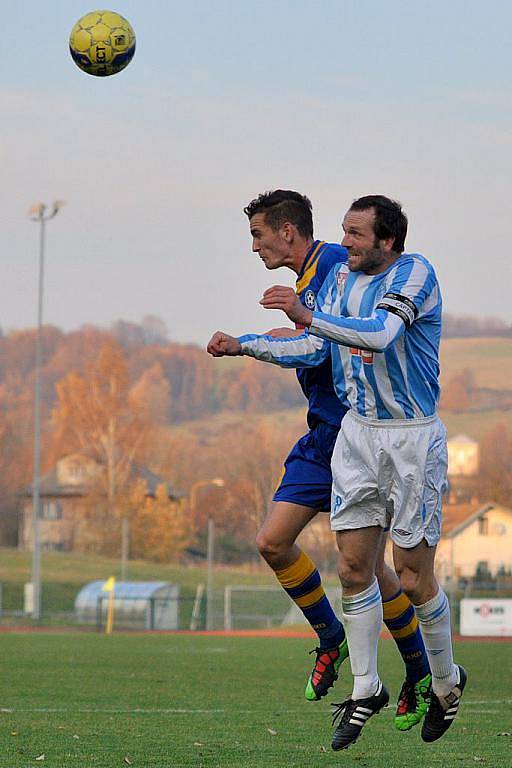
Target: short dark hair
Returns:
[[390, 220], [281, 206]]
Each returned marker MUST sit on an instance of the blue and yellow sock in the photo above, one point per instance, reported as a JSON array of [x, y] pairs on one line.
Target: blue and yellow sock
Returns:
[[400, 619], [302, 582]]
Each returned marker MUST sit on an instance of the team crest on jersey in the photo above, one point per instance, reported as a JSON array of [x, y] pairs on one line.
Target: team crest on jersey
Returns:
[[341, 277], [310, 299]]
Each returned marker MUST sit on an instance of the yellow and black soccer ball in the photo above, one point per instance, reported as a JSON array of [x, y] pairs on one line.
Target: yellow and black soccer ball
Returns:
[[102, 43]]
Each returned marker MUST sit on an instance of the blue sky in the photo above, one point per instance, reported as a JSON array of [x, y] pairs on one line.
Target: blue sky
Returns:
[[223, 101]]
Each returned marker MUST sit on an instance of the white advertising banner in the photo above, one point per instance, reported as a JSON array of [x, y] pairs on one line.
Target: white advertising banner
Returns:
[[486, 617]]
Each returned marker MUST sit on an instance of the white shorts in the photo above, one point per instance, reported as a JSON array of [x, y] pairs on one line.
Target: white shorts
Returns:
[[390, 474]]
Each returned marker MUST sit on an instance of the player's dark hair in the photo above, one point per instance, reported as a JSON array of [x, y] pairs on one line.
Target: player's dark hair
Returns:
[[281, 206], [390, 220]]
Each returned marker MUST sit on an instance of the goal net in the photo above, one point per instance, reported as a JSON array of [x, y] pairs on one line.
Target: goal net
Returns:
[[265, 607]]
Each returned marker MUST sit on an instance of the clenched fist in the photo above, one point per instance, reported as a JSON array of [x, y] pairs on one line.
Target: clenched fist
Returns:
[[222, 344]]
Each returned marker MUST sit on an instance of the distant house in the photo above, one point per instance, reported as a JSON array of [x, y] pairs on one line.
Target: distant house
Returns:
[[62, 494], [463, 456], [474, 539], [463, 466]]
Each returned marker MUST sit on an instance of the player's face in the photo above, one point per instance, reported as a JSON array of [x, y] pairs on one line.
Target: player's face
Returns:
[[271, 246], [365, 252]]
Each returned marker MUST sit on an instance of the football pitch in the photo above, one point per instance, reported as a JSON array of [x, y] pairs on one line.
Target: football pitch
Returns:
[[214, 701]]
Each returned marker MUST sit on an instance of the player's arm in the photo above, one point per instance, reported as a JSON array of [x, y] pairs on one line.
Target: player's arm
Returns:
[[284, 333], [294, 351], [288, 348], [412, 282]]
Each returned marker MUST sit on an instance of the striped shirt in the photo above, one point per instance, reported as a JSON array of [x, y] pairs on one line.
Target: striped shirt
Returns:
[[316, 383], [383, 333]]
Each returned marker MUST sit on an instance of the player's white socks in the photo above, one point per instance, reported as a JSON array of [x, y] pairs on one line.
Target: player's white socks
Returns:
[[362, 619], [434, 618]]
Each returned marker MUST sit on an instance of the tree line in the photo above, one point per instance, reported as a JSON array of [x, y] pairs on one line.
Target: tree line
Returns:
[[128, 398], [118, 397]]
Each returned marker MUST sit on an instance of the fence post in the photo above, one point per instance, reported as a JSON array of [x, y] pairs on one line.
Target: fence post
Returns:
[[209, 575], [99, 601]]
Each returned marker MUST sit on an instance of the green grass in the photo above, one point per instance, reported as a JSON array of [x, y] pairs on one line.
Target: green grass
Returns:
[[216, 702], [63, 575], [74, 568]]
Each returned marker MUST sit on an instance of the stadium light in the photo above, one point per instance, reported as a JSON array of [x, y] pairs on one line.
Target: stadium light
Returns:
[[40, 213], [210, 544], [217, 481]]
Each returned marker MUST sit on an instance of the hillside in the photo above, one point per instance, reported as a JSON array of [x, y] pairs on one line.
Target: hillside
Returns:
[[489, 359], [191, 417], [490, 363], [487, 364]]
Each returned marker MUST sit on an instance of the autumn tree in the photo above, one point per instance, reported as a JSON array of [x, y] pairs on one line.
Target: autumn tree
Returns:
[[495, 476], [160, 529], [150, 396], [16, 457], [94, 416], [248, 456], [459, 393]]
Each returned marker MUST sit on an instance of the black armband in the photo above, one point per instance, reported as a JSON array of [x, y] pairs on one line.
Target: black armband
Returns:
[[401, 306]]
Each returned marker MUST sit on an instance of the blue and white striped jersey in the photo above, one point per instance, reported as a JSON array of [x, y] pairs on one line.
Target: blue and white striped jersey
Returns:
[[383, 333], [316, 383]]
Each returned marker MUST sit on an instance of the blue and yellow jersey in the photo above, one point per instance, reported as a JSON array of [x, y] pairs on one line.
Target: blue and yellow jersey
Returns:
[[316, 383]]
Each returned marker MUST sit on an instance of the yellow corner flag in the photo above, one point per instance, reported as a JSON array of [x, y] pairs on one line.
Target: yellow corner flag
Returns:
[[109, 586]]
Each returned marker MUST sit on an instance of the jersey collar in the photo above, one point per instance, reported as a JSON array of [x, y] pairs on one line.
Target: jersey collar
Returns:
[[310, 255]]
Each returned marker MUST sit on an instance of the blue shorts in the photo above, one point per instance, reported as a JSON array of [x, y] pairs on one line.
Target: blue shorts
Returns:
[[307, 478]]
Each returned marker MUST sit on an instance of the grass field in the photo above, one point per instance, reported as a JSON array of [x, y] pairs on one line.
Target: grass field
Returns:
[[213, 702]]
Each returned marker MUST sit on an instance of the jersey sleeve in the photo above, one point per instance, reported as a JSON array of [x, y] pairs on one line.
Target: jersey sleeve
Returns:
[[302, 351], [411, 285]]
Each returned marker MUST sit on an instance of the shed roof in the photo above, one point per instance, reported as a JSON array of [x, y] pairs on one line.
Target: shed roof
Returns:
[[140, 590]]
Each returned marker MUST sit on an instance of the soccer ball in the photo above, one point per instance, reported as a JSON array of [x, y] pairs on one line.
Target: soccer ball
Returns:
[[102, 43]]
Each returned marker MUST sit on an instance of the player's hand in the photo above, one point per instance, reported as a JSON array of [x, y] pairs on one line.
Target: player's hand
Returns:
[[280, 297], [284, 333], [222, 344]]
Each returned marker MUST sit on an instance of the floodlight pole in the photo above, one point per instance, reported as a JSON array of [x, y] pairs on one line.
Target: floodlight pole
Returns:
[[37, 213]]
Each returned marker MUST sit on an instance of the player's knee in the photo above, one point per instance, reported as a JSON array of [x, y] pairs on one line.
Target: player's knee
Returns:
[[354, 572], [411, 582], [271, 550]]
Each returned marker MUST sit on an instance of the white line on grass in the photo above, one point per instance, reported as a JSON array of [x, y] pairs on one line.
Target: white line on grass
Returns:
[[112, 711], [182, 711]]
